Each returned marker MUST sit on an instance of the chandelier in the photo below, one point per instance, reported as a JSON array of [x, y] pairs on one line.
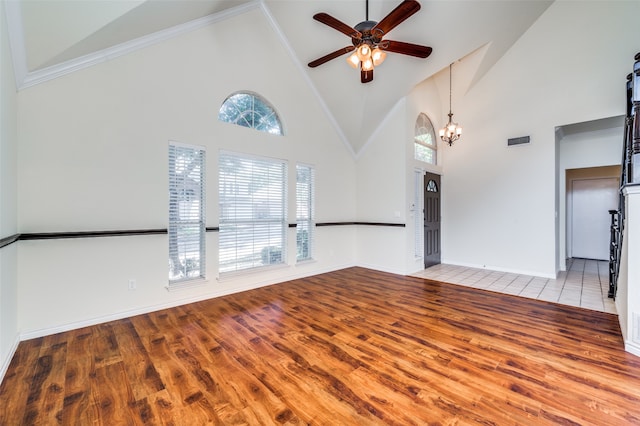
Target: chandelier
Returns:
[[451, 131]]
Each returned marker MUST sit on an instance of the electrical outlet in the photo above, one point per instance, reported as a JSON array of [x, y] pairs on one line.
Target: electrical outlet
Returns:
[[132, 284]]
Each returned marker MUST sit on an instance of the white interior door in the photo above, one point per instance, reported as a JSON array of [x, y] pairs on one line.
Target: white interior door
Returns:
[[591, 201]]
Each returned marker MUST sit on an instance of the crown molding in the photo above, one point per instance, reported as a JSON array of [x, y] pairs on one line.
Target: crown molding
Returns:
[[25, 78]]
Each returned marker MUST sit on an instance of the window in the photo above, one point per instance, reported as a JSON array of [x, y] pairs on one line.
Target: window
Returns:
[[253, 222], [250, 110], [425, 147], [305, 224], [186, 212]]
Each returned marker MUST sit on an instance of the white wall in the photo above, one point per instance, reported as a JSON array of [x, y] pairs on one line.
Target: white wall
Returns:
[[8, 196], [386, 183], [569, 67], [93, 156], [381, 195]]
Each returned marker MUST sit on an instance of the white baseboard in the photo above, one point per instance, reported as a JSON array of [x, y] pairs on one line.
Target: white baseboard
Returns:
[[382, 269], [7, 361], [632, 348], [501, 269], [297, 273]]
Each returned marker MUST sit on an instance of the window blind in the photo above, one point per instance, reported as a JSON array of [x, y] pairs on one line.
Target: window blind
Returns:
[[253, 222], [305, 221], [186, 212]]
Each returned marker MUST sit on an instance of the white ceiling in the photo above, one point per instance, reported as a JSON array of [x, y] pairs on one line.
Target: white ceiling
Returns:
[[53, 37]]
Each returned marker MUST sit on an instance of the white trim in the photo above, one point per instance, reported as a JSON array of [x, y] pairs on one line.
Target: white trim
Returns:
[[7, 361], [631, 190], [26, 79], [180, 302], [501, 269], [185, 284], [305, 75], [390, 270], [632, 348], [187, 145]]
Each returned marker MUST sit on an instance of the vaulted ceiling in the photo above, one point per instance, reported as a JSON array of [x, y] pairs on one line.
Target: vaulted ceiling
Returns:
[[52, 37]]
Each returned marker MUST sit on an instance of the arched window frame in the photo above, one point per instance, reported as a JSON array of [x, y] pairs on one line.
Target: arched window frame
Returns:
[[424, 141], [248, 109]]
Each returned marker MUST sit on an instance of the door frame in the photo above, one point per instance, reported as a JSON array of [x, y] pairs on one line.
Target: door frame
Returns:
[[570, 208]]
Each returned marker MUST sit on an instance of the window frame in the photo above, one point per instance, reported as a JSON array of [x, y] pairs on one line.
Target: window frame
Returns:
[[305, 213], [176, 187], [238, 113], [424, 126], [251, 212]]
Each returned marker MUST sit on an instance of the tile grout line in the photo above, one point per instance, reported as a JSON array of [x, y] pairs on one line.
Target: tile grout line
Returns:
[[487, 280]]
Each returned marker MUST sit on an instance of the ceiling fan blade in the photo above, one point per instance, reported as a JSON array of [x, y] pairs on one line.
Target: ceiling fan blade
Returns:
[[395, 17], [330, 56], [405, 48], [337, 25], [366, 76]]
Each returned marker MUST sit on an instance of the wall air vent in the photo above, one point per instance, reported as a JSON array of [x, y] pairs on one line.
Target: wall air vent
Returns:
[[518, 141]]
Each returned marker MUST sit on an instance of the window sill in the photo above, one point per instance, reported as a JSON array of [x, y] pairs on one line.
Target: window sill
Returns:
[[229, 276], [183, 285]]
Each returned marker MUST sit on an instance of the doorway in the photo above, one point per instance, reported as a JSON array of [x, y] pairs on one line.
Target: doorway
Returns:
[[591, 200], [431, 219]]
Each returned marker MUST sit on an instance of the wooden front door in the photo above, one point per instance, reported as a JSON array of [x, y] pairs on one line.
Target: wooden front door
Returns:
[[431, 219]]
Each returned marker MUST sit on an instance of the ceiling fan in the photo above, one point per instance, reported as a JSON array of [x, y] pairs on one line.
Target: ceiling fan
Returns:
[[367, 39]]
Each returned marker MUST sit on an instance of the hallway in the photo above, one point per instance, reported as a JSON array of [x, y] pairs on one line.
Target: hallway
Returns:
[[585, 284]]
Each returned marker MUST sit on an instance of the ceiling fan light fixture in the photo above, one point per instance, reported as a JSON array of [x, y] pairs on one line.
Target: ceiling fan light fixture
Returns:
[[368, 49], [353, 61], [367, 64], [364, 52], [378, 55]]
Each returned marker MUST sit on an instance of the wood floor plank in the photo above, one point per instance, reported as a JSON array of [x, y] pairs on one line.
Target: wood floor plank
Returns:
[[140, 369], [45, 398], [349, 347], [13, 391], [112, 395]]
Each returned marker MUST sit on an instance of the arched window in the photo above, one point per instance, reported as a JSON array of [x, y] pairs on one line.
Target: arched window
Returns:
[[425, 146], [250, 110]]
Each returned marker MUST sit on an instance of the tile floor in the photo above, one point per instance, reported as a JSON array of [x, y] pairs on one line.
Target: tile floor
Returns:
[[585, 283]]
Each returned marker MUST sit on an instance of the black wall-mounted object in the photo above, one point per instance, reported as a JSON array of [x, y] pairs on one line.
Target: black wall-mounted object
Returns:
[[518, 141]]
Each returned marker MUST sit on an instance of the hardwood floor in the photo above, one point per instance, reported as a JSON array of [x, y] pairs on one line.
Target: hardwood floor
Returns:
[[349, 347]]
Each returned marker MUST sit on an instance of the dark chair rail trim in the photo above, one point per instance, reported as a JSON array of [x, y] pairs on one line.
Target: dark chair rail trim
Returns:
[[123, 233], [9, 240]]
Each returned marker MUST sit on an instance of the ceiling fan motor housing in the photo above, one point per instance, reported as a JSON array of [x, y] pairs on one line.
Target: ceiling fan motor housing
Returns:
[[365, 28]]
